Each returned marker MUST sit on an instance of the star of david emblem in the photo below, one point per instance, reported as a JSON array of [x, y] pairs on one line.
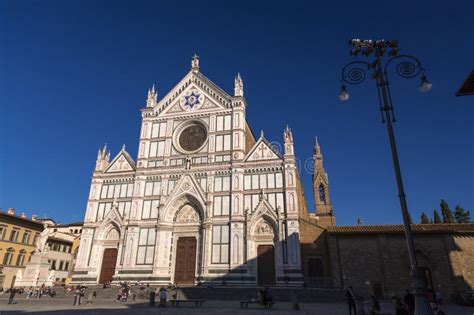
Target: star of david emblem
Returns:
[[192, 101]]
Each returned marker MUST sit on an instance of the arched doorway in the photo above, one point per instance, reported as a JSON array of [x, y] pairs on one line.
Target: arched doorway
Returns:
[[264, 238], [187, 236], [109, 257], [185, 267]]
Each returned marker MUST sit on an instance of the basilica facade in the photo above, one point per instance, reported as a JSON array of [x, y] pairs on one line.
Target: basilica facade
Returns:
[[205, 200]]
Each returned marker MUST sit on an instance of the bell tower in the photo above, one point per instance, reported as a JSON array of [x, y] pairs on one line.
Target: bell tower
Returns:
[[322, 202]]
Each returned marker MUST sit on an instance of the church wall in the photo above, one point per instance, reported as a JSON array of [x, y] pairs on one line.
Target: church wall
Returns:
[[213, 179], [365, 260]]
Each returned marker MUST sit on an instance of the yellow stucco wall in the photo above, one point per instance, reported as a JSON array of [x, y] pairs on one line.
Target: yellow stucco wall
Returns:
[[16, 245]]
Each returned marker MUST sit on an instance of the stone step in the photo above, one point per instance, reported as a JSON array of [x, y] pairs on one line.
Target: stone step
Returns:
[[221, 293]]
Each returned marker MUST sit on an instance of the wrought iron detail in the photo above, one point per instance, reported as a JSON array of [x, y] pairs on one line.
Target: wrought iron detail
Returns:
[[407, 66], [353, 73]]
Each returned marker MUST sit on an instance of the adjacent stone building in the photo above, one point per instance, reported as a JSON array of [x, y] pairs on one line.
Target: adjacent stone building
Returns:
[[374, 258]]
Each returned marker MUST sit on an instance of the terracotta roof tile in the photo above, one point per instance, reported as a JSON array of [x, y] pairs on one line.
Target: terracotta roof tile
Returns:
[[398, 228]]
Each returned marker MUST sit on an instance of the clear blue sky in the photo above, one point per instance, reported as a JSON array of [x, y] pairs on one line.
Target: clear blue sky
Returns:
[[74, 74]]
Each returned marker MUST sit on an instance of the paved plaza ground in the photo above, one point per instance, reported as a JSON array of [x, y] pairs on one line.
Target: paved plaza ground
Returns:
[[64, 306]]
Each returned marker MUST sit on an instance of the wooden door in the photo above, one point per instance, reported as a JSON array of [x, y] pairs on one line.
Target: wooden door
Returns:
[[185, 266], [266, 264], [108, 265]]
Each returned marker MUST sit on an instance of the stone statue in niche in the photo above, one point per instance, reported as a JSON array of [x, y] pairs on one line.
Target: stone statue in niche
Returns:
[[187, 214], [264, 228]]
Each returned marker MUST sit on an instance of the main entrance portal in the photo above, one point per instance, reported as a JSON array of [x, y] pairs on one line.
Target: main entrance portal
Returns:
[[266, 264], [108, 265], [185, 267]]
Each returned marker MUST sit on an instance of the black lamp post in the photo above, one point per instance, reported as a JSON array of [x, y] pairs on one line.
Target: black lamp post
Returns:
[[407, 67]]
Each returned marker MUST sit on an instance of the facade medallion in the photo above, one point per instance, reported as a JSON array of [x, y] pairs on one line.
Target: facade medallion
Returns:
[[192, 100]]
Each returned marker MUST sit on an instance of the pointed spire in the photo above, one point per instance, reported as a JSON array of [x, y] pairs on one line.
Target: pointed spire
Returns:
[[317, 148], [123, 147], [238, 86], [103, 157], [104, 151], [195, 63], [261, 133], [152, 98], [288, 140], [288, 135]]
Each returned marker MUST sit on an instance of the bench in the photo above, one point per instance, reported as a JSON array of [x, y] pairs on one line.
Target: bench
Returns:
[[245, 304], [197, 303]]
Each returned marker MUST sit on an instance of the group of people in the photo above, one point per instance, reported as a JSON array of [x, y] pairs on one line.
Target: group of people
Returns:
[[405, 306], [124, 292], [38, 292], [79, 293], [161, 293], [32, 292]]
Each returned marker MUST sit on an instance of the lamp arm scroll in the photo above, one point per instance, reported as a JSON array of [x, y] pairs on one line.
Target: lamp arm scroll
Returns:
[[408, 66], [353, 74]]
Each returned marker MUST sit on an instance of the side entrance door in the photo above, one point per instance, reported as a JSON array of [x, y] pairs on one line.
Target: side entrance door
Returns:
[[185, 266], [108, 265], [266, 264]]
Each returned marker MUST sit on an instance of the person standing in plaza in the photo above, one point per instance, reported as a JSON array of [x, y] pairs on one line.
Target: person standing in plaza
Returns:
[[350, 300], [163, 296], [12, 295]]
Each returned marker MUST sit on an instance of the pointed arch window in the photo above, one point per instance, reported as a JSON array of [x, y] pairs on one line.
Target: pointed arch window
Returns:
[[322, 193]]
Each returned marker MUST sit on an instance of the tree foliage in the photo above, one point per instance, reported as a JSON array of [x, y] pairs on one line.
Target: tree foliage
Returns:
[[446, 212], [461, 215], [437, 218], [424, 218]]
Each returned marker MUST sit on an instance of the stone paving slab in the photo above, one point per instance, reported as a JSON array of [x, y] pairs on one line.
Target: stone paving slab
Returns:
[[63, 306]]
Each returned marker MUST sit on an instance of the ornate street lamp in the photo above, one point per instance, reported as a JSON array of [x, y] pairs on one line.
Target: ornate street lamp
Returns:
[[407, 67]]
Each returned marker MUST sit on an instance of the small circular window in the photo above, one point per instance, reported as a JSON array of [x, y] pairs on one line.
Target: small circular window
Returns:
[[192, 137]]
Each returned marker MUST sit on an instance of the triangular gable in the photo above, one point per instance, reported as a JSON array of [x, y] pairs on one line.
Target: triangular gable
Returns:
[[123, 162], [112, 217], [190, 100], [186, 185], [262, 150], [264, 208], [181, 98]]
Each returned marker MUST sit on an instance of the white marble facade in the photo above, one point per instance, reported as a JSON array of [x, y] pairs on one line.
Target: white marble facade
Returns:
[[201, 174]]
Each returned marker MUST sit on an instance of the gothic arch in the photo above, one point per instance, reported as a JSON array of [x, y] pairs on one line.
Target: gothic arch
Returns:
[[187, 213], [107, 227], [174, 206], [264, 221]]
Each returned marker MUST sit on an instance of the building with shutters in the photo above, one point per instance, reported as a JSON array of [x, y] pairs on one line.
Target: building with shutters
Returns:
[[18, 236], [206, 200]]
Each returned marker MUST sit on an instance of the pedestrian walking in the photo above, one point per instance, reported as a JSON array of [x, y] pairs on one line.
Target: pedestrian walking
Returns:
[[351, 300], [12, 295]]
